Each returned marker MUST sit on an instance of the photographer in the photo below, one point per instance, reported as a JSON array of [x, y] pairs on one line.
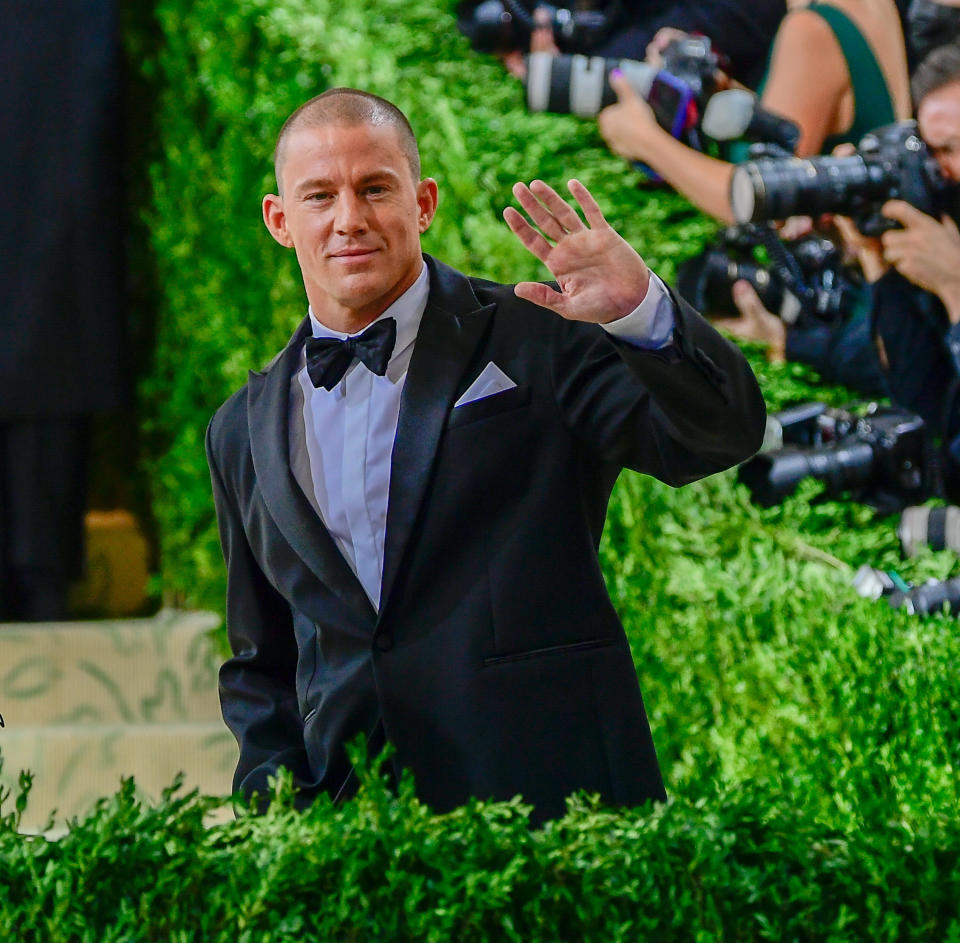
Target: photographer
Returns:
[[915, 271], [841, 351], [620, 29], [859, 82]]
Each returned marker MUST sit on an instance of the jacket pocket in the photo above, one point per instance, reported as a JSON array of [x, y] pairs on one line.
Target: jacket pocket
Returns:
[[569, 648], [489, 406]]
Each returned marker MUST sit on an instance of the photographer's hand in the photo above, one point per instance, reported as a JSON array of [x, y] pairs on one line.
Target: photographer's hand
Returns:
[[926, 252], [630, 125], [601, 276], [755, 323], [867, 250]]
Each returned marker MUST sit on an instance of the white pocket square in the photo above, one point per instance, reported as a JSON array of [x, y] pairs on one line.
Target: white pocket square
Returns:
[[491, 380]]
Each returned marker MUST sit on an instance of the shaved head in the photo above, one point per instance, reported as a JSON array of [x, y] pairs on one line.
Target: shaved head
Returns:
[[348, 107]]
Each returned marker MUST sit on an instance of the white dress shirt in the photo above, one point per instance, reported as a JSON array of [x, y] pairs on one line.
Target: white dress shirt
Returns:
[[341, 440]]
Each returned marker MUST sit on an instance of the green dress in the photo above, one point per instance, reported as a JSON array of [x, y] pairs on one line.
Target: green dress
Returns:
[[872, 102]]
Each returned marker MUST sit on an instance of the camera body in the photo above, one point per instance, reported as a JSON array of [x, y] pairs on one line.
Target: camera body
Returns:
[[879, 455], [693, 61], [816, 287], [891, 162], [506, 25]]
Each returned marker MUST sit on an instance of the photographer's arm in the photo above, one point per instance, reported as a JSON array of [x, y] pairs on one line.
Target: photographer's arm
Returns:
[[631, 130], [810, 98]]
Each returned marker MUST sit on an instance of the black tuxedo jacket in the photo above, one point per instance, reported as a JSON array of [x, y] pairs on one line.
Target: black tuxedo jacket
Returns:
[[496, 664]]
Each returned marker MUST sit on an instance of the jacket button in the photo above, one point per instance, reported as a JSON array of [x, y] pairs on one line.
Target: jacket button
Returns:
[[383, 641]]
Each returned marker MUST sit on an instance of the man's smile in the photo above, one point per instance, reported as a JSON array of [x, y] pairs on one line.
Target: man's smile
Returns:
[[353, 255]]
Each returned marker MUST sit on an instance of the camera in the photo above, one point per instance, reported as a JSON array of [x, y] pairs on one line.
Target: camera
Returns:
[[506, 25], [927, 598], [937, 528], [879, 454], [580, 85], [808, 280], [891, 162]]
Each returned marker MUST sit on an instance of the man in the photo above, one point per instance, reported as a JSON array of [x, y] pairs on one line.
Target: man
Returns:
[[915, 273], [410, 530]]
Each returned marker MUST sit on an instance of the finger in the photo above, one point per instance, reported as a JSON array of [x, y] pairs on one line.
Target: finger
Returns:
[[950, 225], [531, 239], [848, 232], [591, 209], [747, 300], [547, 222], [902, 212], [561, 211], [893, 240], [542, 295]]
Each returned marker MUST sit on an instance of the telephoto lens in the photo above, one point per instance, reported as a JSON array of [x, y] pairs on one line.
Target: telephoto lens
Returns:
[[929, 598], [937, 528], [580, 85]]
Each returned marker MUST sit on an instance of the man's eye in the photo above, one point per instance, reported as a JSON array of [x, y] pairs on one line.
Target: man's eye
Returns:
[[319, 196], [375, 190]]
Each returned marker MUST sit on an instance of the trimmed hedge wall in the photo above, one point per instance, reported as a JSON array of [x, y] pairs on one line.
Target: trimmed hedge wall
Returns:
[[732, 866], [809, 738]]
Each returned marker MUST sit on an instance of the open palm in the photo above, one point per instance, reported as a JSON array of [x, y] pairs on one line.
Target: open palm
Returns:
[[601, 276]]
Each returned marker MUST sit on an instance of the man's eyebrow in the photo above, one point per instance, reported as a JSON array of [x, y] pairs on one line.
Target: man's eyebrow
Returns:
[[320, 183]]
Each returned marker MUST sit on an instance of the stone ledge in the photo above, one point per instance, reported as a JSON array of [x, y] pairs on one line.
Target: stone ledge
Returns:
[[156, 670]]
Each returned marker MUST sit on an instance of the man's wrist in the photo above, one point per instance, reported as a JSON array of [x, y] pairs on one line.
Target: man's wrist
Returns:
[[651, 323]]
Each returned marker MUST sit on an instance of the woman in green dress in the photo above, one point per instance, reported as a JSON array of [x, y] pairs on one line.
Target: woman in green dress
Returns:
[[837, 70]]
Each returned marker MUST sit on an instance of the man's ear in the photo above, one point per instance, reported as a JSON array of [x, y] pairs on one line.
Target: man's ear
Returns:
[[427, 197], [275, 219]]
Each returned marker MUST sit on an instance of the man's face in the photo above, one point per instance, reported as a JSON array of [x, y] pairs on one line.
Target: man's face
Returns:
[[938, 120], [354, 214]]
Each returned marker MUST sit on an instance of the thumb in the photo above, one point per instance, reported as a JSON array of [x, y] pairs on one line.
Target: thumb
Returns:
[[621, 85], [746, 299], [950, 224]]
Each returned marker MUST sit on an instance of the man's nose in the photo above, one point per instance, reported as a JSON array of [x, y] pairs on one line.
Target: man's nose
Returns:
[[349, 216]]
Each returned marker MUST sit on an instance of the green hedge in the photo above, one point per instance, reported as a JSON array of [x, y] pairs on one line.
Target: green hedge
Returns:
[[733, 866], [810, 739]]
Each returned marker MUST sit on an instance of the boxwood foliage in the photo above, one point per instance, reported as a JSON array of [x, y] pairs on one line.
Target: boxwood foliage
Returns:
[[737, 864], [809, 738]]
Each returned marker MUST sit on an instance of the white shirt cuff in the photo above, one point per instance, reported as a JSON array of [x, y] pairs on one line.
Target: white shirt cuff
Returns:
[[651, 323]]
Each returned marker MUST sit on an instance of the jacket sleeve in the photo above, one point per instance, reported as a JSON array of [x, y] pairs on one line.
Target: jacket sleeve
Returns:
[[678, 413], [258, 683]]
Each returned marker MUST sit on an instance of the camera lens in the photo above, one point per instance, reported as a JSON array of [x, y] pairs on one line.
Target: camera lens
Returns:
[[771, 476], [937, 528], [775, 189], [580, 85]]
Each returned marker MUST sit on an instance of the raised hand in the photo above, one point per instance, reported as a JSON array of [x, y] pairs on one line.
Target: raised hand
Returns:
[[601, 276], [629, 125]]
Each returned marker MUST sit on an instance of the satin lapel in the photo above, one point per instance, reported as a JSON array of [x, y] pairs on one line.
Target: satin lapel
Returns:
[[268, 418], [453, 324]]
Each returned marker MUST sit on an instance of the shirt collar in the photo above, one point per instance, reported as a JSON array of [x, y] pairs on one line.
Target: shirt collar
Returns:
[[407, 310]]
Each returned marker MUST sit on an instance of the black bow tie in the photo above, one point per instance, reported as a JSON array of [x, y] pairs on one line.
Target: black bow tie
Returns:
[[329, 357]]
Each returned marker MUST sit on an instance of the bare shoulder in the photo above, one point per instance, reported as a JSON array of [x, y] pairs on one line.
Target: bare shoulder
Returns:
[[804, 29]]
